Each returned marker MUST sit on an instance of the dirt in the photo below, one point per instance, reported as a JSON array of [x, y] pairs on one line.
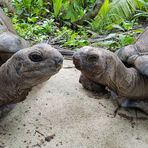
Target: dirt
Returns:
[[60, 113]]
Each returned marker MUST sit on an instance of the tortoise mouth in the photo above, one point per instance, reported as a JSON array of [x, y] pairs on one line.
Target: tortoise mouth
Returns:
[[77, 66], [51, 68]]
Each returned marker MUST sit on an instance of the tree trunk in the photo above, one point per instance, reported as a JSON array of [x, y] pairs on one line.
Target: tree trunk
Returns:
[[91, 14]]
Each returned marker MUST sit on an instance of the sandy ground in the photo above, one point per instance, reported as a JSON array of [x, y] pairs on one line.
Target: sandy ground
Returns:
[[60, 113]]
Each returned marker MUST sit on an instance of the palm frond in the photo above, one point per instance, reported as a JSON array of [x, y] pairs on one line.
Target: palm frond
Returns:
[[116, 11]]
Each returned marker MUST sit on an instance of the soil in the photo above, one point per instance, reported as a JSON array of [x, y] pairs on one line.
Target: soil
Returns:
[[60, 113]]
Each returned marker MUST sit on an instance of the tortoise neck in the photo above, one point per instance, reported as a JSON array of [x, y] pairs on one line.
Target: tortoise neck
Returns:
[[126, 82], [11, 86]]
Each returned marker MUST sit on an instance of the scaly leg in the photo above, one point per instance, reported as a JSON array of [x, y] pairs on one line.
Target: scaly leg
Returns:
[[130, 103]]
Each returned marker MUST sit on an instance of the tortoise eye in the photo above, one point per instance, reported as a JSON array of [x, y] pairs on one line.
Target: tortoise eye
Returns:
[[92, 58], [36, 57]]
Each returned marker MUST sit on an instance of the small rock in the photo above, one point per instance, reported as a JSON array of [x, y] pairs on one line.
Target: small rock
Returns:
[[49, 138]]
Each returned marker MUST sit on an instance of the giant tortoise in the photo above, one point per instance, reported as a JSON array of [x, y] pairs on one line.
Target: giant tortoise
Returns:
[[124, 73], [21, 66]]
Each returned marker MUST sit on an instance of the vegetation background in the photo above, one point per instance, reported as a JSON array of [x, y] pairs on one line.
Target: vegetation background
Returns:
[[75, 23]]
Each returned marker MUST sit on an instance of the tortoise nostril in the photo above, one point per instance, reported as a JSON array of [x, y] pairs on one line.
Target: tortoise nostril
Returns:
[[36, 57], [58, 60], [92, 58]]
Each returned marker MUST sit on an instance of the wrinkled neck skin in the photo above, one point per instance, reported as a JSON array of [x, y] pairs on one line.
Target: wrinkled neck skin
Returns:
[[10, 85], [126, 82], [13, 88]]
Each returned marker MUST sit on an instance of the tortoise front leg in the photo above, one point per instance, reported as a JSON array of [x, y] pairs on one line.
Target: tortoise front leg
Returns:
[[141, 105], [90, 85]]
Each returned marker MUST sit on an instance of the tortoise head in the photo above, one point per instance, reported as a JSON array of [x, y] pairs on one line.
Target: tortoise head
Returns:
[[90, 60], [37, 63]]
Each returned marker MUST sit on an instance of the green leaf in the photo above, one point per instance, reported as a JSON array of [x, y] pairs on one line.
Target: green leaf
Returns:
[[57, 6], [114, 26], [117, 10], [27, 3], [103, 10], [126, 40], [32, 19], [127, 25], [40, 3]]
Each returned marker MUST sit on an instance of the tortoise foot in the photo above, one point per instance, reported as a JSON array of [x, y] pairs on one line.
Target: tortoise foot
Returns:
[[140, 105], [135, 104], [5, 109]]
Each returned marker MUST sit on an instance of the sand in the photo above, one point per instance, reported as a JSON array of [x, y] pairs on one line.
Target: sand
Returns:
[[60, 113]]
